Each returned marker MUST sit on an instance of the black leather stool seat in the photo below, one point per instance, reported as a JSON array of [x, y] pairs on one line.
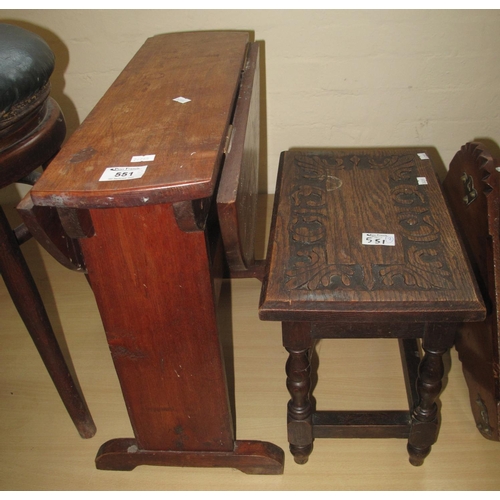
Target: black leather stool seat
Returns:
[[26, 63]]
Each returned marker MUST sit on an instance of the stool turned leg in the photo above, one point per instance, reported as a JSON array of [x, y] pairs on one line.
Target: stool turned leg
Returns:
[[425, 417], [297, 341], [28, 302]]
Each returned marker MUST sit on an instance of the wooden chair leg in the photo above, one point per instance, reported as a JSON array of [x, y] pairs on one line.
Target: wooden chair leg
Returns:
[[28, 302]]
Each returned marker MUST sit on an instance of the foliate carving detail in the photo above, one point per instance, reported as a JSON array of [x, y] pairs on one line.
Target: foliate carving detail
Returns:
[[312, 272], [307, 227], [418, 225], [423, 269], [408, 195], [309, 268], [403, 169], [312, 168], [307, 223], [389, 161], [308, 195]]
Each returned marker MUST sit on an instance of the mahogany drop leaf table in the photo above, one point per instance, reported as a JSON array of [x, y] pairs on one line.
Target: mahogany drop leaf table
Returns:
[[137, 185]]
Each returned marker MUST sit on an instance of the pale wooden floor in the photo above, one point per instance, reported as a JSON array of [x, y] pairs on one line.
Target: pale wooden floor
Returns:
[[41, 450]]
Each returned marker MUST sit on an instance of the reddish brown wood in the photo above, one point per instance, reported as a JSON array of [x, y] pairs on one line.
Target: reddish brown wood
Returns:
[[25, 146], [153, 249], [238, 188], [251, 457], [168, 362], [44, 224], [472, 189], [138, 116], [322, 281]]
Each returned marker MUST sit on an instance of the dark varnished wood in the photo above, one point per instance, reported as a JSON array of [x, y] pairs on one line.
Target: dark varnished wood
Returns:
[[317, 262], [34, 148], [361, 424], [26, 297], [152, 246], [26, 143], [322, 282], [472, 189], [37, 139]]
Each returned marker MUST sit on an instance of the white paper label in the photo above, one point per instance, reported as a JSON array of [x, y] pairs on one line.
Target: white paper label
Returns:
[[136, 159], [378, 239], [182, 100], [123, 173], [422, 156], [422, 181]]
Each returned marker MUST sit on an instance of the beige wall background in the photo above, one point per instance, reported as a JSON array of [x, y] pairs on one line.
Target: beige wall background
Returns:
[[333, 78]]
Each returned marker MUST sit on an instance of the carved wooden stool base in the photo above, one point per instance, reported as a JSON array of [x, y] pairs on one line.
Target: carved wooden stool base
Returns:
[[250, 457], [362, 246]]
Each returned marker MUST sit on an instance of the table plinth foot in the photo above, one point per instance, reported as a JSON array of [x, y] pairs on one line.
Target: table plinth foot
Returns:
[[250, 457]]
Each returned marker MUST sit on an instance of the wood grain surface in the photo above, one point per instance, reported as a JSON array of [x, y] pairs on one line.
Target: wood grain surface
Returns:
[[139, 116]]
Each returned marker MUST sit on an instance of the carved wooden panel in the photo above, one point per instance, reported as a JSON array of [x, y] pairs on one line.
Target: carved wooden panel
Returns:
[[418, 258], [472, 186], [364, 230]]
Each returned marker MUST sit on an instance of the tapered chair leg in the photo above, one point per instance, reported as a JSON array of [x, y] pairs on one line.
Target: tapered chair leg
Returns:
[[28, 302]]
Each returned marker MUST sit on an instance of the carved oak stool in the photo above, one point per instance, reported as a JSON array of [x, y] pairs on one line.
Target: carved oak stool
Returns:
[[362, 246], [32, 129]]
